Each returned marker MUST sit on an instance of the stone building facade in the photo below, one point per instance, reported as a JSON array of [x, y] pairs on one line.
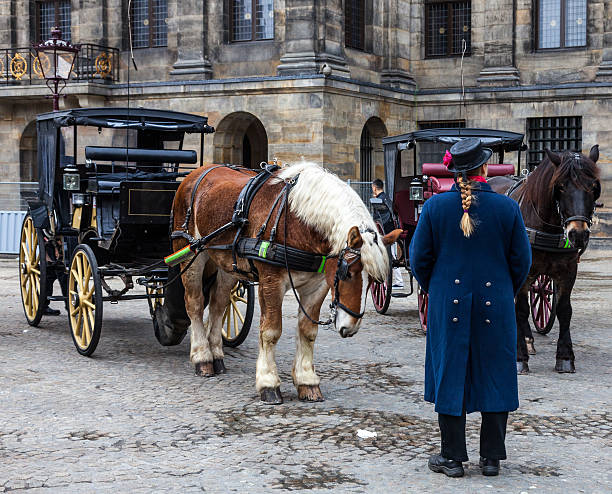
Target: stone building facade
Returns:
[[327, 79]]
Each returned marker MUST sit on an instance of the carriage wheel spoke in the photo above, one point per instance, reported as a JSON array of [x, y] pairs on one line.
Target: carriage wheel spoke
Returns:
[[237, 310]]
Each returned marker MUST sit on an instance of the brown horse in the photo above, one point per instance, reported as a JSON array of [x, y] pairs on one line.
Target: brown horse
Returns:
[[324, 216], [558, 199]]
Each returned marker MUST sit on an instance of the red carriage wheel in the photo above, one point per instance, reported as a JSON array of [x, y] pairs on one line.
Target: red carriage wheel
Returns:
[[381, 292], [543, 302], [423, 299]]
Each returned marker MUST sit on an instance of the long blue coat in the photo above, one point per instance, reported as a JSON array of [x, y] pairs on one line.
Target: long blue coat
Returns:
[[471, 327]]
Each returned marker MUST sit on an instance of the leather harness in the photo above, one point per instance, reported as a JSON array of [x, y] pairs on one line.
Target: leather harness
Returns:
[[551, 242], [268, 251]]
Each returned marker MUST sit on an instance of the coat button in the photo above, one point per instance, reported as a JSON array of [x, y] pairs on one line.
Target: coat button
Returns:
[[455, 319], [487, 303], [457, 282], [455, 301], [488, 283], [487, 321]]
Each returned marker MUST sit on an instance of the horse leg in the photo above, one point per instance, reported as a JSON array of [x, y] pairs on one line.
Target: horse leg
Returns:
[[305, 378], [200, 355], [522, 328], [219, 299], [565, 352], [267, 381], [529, 341]]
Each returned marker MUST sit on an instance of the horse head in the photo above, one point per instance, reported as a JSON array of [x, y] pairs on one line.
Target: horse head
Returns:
[[350, 274], [575, 188]]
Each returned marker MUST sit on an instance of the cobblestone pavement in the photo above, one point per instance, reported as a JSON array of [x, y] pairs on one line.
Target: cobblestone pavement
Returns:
[[135, 418]]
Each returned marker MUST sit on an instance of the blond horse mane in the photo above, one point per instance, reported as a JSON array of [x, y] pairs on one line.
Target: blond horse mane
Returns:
[[324, 202]]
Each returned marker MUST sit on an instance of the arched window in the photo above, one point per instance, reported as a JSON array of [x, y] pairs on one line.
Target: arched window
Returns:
[[51, 13], [354, 24], [149, 23], [251, 20], [371, 157]]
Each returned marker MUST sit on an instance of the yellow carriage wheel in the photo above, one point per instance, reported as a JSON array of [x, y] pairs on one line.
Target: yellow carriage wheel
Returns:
[[156, 296], [238, 315], [84, 300], [32, 271]]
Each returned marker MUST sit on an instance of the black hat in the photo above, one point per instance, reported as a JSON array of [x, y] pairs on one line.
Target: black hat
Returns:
[[468, 154]]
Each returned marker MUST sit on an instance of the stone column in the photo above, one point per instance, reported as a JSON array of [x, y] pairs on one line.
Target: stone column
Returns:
[[605, 68], [395, 72], [313, 37], [499, 68], [88, 22], [192, 41], [7, 23]]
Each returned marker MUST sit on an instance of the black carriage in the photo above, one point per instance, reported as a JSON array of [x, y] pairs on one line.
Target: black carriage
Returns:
[[100, 222], [413, 173]]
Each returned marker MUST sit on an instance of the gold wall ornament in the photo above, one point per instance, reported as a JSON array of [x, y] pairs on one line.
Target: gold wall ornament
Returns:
[[41, 64], [1, 68], [19, 66], [104, 64]]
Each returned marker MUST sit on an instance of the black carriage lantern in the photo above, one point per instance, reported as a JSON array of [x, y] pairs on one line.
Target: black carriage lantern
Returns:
[[56, 59]]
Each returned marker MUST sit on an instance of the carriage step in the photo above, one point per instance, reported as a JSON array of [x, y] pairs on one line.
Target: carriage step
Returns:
[[400, 295]]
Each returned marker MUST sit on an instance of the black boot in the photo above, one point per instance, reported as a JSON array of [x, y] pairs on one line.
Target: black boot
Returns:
[[450, 468], [48, 311], [490, 468]]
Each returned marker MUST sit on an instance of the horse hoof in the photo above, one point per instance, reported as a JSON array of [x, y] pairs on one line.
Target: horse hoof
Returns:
[[271, 396], [219, 366], [310, 393], [522, 368], [204, 369], [530, 346], [565, 366]]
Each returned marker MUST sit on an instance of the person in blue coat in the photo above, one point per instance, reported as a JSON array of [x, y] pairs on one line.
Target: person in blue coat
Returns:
[[471, 254]]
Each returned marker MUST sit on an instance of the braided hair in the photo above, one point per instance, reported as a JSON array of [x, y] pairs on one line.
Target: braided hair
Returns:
[[467, 223]]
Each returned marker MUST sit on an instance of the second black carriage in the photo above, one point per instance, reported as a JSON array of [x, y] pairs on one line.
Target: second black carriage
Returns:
[[100, 221], [413, 173]]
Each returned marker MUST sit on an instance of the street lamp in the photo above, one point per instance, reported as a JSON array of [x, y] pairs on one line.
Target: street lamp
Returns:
[[56, 59]]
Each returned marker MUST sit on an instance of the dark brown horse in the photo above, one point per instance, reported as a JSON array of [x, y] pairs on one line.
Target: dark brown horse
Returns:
[[324, 216], [558, 199]]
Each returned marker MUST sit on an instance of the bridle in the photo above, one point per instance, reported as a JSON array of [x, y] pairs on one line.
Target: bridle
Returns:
[[587, 219], [342, 274]]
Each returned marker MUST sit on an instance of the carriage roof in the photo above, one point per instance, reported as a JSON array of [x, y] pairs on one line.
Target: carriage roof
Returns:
[[497, 140], [121, 118]]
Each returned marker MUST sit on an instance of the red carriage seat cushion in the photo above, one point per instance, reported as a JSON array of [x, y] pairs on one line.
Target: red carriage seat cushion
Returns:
[[439, 185], [499, 170], [495, 170], [436, 170]]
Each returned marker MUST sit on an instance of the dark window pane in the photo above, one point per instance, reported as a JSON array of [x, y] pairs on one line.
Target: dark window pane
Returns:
[[264, 19], [575, 23], [160, 12], [242, 20], [46, 19], [437, 29], [140, 23], [462, 22], [433, 152], [549, 24], [365, 151], [354, 24]]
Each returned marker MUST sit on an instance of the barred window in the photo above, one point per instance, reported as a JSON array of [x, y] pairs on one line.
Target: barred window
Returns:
[[52, 13], [555, 133], [561, 23], [447, 25], [354, 24], [251, 20], [149, 23]]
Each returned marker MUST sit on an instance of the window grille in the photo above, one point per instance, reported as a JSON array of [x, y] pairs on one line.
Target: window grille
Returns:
[[561, 23], [366, 149], [149, 23], [48, 18], [354, 24], [554, 133], [251, 20], [447, 24]]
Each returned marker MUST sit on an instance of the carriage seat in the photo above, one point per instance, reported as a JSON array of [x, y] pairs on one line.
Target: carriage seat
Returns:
[[442, 180]]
